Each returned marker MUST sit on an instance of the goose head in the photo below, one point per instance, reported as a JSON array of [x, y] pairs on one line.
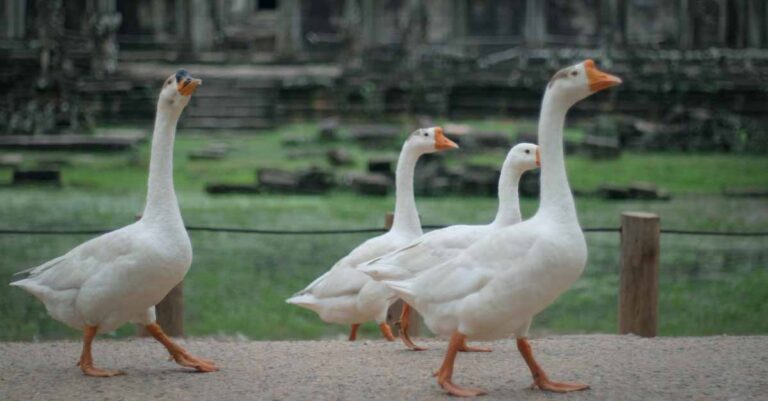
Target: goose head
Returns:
[[576, 82], [177, 90], [429, 140], [524, 157]]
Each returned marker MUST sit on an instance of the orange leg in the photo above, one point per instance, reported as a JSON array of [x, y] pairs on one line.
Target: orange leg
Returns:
[[540, 378], [179, 354], [445, 372], [86, 359], [466, 348], [403, 328], [386, 331], [353, 332]]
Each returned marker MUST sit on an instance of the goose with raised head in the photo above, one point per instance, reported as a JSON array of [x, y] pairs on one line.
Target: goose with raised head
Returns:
[[441, 245], [344, 295], [492, 289], [120, 276]]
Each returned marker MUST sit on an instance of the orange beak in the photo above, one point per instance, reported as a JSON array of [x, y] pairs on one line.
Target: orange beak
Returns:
[[599, 80], [442, 142], [538, 158], [188, 85]]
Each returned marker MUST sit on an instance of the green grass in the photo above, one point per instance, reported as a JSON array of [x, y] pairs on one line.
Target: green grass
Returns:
[[238, 283], [709, 173]]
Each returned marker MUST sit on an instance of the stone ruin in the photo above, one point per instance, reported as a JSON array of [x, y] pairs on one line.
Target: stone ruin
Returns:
[[313, 180], [434, 175], [637, 191], [314, 59]]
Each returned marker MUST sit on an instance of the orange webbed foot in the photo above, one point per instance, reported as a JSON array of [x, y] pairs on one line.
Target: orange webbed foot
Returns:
[[179, 354], [403, 328], [90, 370], [445, 373], [208, 361], [460, 391], [540, 379], [413, 347], [86, 359], [183, 358], [564, 387]]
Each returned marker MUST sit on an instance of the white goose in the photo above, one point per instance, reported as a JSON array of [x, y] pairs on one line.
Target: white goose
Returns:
[[492, 289], [344, 295], [120, 276], [442, 245]]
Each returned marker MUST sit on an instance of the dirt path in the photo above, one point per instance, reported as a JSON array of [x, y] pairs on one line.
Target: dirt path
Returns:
[[617, 368]]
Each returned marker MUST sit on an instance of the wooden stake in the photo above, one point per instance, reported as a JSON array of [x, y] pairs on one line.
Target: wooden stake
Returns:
[[170, 312], [389, 219], [639, 277]]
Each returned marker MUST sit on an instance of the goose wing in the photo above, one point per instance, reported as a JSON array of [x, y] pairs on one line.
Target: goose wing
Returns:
[[72, 269], [471, 270], [342, 279], [427, 251]]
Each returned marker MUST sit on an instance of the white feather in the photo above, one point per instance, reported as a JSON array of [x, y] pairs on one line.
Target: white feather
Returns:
[[119, 276]]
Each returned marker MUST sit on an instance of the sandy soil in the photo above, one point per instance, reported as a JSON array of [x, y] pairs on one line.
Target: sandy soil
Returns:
[[617, 368]]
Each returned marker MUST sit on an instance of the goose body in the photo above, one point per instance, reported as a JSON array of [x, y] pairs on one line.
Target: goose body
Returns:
[[116, 278], [493, 288], [444, 244], [490, 298], [344, 295], [120, 276]]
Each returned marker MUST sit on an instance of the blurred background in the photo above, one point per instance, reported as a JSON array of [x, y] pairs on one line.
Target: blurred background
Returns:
[[303, 109]]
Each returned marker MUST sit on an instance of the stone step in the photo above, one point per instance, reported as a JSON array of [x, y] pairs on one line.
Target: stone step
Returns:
[[231, 112], [38, 175], [251, 101], [69, 142], [226, 123]]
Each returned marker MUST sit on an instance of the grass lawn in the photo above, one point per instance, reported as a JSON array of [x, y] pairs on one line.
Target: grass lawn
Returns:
[[238, 283]]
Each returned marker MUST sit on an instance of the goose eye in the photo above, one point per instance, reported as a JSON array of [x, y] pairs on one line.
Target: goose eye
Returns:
[[574, 73], [527, 151], [426, 134]]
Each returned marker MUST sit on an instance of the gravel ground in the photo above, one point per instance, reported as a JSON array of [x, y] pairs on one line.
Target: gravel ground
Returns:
[[617, 368]]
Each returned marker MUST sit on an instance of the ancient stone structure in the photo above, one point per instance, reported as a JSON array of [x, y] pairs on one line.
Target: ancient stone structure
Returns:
[[299, 59]]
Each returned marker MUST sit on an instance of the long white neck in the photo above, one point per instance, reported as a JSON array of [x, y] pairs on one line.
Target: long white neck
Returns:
[[509, 200], [406, 217], [556, 198], [162, 204]]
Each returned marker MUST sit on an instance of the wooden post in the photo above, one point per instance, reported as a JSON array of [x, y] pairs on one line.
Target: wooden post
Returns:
[[639, 277], [393, 314], [169, 312], [389, 218]]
